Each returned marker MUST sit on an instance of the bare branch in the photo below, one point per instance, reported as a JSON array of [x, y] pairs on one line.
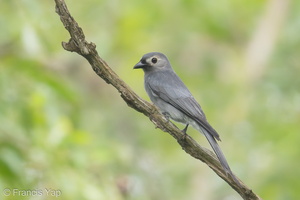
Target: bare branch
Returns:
[[78, 44]]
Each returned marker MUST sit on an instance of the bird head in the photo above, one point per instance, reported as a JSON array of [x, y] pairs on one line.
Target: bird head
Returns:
[[152, 62]]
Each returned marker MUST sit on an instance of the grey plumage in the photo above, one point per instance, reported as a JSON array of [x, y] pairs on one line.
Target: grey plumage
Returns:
[[171, 96]]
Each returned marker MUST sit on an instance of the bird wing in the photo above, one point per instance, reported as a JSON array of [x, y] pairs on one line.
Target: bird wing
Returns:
[[167, 86]]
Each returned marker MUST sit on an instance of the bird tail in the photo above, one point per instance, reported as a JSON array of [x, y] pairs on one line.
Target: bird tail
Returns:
[[213, 143]]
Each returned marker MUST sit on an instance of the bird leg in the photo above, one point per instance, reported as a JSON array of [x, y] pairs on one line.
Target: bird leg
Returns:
[[184, 132], [166, 115]]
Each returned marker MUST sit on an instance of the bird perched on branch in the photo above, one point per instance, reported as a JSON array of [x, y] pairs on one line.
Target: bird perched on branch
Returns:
[[175, 101]]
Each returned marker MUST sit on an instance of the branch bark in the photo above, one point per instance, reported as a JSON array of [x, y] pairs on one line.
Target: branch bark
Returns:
[[78, 44]]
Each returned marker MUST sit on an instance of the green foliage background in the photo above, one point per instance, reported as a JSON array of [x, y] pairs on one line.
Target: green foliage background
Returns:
[[63, 128]]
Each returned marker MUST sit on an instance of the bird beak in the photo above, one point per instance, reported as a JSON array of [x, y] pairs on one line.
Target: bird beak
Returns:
[[139, 65]]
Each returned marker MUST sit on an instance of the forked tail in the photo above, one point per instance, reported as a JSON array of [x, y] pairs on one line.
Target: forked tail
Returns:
[[213, 143]]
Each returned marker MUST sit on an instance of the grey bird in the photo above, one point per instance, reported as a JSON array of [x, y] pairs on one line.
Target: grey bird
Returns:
[[175, 101]]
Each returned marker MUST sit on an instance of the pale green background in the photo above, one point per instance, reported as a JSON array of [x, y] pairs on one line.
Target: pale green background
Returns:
[[63, 128]]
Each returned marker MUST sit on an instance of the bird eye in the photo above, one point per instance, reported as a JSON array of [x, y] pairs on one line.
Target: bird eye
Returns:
[[154, 60]]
